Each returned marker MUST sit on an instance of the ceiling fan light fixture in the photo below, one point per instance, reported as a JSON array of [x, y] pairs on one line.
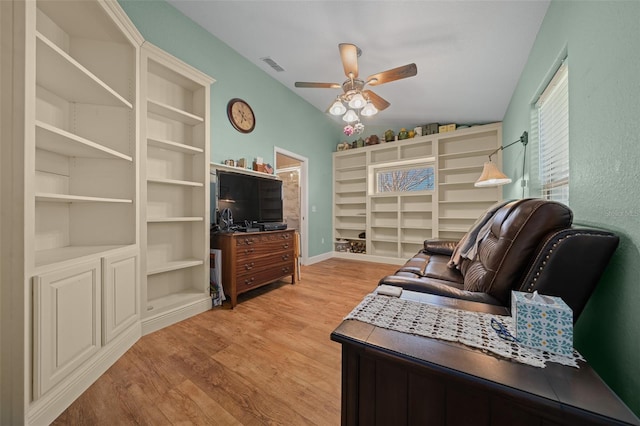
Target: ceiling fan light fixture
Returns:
[[337, 108], [357, 101], [350, 116], [369, 110]]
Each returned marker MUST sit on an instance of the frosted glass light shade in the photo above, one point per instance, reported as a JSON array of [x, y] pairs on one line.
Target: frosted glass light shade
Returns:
[[357, 101], [369, 110], [350, 116], [491, 176], [337, 108]]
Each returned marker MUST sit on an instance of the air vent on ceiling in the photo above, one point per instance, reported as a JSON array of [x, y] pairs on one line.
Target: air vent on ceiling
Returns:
[[273, 64]]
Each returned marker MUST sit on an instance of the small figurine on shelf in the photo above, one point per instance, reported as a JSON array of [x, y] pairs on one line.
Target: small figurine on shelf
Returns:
[[403, 134], [343, 146], [389, 135]]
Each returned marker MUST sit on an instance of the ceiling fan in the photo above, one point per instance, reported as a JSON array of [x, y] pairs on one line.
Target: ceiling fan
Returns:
[[354, 95]]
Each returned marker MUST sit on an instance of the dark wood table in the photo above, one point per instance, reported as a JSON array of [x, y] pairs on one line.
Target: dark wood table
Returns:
[[394, 378]]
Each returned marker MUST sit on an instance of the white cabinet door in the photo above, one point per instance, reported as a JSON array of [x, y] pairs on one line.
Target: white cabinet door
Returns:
[[66, 322], [120, 303]]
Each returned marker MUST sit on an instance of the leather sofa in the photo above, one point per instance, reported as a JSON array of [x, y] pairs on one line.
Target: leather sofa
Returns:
[[528, 245]]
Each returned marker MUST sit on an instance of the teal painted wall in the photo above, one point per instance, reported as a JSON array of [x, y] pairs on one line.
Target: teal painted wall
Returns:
[[283, 119], [602, 41]]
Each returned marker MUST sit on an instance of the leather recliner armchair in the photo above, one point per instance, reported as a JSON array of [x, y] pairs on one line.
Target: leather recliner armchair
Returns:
[[530, 245]]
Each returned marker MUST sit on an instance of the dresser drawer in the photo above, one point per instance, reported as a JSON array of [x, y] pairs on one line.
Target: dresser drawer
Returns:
[[255, 278], [262, 238], [251, 247], [247, 264]]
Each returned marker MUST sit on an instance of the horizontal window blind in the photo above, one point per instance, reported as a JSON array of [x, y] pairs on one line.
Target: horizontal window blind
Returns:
[[553, 133]]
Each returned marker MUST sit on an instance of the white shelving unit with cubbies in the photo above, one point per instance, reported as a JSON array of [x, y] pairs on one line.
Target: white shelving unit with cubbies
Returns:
[[175, 175], [397, 223]]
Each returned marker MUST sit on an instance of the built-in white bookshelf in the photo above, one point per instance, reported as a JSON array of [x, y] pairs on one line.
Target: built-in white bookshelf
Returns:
[[85, 134], [397, 223], [175, 218], [350, 195], [77, 64]]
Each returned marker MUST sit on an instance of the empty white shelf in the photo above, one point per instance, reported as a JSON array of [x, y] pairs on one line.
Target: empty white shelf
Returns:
[[54, 139], [63, 75]]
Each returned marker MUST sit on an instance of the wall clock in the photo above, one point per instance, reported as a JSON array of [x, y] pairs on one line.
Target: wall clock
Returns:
[[241, 115]]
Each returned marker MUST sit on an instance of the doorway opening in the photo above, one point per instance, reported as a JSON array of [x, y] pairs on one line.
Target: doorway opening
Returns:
[[291, 168]]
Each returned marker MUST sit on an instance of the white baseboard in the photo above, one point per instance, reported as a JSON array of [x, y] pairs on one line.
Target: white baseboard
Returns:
[[48, 407], [165, 319], [318, 258], [369, 258]]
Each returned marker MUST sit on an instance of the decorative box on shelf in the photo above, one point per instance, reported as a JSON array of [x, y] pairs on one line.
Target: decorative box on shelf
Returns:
[[543, 322], [342, 246], [262, 167], [430, 129], [447, 128]]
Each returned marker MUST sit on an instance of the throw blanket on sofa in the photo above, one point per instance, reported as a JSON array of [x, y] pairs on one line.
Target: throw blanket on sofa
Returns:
[[467, 248]]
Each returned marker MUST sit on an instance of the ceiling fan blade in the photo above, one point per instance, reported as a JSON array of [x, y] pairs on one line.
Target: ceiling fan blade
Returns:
[[318, 85], [392, 75], [349, 56], [376, 100]]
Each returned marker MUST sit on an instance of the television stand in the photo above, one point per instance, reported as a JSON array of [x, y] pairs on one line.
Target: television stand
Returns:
[[254, 259]]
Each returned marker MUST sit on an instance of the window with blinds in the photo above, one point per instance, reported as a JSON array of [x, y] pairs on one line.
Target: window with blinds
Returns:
[[553, 134]]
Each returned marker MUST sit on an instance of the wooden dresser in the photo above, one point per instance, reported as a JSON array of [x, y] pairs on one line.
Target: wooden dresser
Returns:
[[254, 259]]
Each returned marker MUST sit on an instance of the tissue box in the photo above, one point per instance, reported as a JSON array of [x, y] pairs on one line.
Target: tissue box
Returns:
[[543, 322]]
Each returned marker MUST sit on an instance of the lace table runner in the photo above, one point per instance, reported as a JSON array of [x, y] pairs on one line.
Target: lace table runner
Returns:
[[469, 328]]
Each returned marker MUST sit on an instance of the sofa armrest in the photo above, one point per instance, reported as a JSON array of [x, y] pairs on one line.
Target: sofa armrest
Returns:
[[438, 288], [445, 247]]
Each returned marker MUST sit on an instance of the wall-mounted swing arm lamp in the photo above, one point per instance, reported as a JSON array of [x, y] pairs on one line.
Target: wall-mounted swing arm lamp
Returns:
[[491, 175]]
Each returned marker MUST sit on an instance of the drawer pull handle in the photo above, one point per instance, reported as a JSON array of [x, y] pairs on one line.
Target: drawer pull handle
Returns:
[[248, 241], [285, 256], [249, 251], [248, 281], [248, 266], [286, 245], [285, 269]]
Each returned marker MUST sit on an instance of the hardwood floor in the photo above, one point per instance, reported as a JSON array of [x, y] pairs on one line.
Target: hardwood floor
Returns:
[[268, 361]]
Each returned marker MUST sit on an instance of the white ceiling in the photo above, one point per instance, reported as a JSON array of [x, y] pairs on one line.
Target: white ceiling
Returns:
[[469, 53]]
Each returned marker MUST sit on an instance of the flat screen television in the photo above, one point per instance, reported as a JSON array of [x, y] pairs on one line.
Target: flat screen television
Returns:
[[250, 198]]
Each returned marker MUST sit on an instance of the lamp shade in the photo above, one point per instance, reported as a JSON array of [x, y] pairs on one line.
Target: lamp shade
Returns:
[[357, 101], [491, 176], [369, 110], [350, 116], [337, 108]]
